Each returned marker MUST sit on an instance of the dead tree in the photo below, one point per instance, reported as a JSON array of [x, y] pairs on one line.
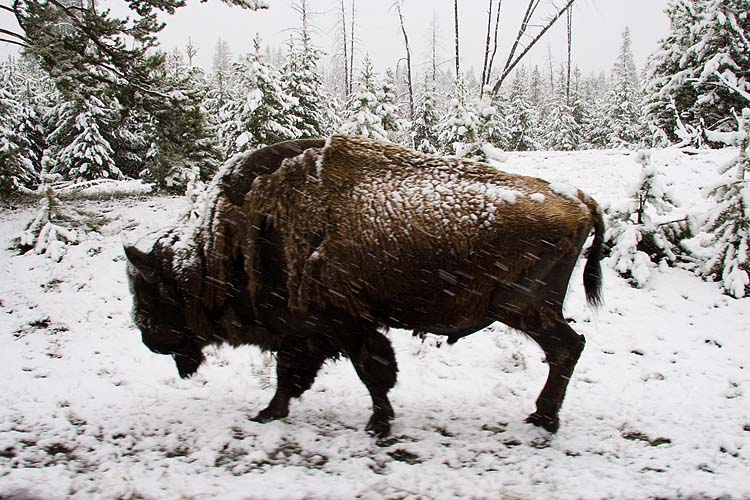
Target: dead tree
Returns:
[[408, 60], [351, 54], [494, 48], [570, 39], [514, 59], [455, 17], [347, 85], [486, 50]]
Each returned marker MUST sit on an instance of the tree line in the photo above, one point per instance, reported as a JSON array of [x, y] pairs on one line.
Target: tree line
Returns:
[[166, 121]]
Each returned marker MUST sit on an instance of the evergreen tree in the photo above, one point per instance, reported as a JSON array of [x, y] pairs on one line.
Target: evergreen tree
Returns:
[[730, 223], [707, 43], [303, 84], [595, 125], [387, 106], [459, 129], [424, 128], [363, 116], [625, 112], [522, 119], [178, 134], [636, 240], [562, 131], [80, 147], [261, 114], [16, 169]]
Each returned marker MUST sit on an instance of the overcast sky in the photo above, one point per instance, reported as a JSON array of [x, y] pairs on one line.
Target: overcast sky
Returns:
[[597, 29]]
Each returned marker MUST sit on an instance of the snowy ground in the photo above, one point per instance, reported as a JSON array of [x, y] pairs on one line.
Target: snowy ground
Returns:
[[658, 405]]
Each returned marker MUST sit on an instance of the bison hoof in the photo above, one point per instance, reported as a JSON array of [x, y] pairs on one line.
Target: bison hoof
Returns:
[[544, 421], [379, 427], [269, 415]]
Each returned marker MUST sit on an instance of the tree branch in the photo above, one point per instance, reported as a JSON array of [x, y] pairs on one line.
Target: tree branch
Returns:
[[510, 65]]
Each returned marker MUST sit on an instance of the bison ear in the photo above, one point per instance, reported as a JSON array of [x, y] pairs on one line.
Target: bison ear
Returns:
[[142, 262]]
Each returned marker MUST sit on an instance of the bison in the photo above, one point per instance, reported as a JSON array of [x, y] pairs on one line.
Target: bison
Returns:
[[312, 248]]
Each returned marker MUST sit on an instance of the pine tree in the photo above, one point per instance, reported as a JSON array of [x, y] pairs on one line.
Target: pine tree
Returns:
[[730, 223], [636, 240], [16, 170], [522, 119], [424, 128], [82, 151], [262, 112], [562, 132], [178, 134], [303, 84], [387, 107], [624, 112], [707, 43], [596, 128], [362, 110], [459, 129]]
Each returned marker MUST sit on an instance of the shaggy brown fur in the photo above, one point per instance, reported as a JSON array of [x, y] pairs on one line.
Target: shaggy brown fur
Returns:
[[367, 230]]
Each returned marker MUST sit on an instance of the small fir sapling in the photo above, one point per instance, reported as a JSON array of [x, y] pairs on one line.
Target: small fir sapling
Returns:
[[45, 234], [729, 224], [54, 227], [636, 240]]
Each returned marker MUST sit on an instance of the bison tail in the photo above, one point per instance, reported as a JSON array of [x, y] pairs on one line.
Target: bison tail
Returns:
[[592, 271]]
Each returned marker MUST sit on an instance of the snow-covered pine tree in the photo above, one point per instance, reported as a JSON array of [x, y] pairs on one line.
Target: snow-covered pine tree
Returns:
[[730, 222], [362, 110], [261, 113], [387, 107], [708, 41], [424, 128], [637, 240], [459, 129], [178, 134], [82, 151], [562, 132], [302, 82], [625, 111], [16, 169], [596, 128], [522, 118]]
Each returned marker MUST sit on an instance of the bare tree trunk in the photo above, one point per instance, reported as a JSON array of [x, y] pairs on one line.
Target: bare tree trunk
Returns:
[[408, 60], [455, 16], [486, 51], [347, 86], [190, 51], [551, 71], [494, 48], [351, 55], [511, 62], [570, 39], [434, 50]]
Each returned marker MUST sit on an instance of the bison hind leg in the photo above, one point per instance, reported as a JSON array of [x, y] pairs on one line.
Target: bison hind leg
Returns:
[[562, 347], [372, 356]]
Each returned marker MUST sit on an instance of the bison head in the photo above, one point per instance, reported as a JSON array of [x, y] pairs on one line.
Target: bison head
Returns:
[[159, 309]]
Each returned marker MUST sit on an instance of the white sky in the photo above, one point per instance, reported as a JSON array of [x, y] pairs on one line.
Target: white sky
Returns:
[[597, 29]]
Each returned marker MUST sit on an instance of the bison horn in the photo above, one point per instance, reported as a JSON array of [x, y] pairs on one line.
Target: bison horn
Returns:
[[142, 262]]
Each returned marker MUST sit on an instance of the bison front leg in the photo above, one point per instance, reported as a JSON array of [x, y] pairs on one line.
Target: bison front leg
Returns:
[[296, 368], [562, 347], [373, 359]]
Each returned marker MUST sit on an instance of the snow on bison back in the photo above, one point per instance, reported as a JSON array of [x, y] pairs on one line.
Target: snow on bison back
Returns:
[[309, 248]]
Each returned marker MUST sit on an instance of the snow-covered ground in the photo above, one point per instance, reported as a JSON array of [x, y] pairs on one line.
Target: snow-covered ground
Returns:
[[658, 405]]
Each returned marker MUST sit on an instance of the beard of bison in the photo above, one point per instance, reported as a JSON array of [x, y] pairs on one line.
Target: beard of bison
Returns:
[[158, 312]]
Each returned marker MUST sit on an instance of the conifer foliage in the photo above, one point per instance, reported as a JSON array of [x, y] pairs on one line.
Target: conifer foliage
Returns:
[[637, 240], [730, 222], [364, 109]]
